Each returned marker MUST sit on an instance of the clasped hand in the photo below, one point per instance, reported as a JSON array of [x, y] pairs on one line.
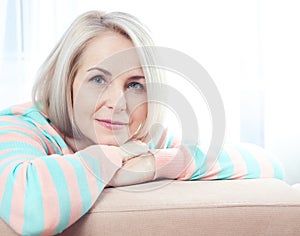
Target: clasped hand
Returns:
[[138, 165]]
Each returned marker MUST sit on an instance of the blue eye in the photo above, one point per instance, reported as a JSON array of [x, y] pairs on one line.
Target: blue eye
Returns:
[[98, 79], [135, 85]]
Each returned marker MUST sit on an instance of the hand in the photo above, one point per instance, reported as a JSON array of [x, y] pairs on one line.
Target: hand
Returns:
[[136, 170], [133, 149]]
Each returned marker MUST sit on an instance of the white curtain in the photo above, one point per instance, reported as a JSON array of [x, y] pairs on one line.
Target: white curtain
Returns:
[[3, 12], [11, 66], [29, 30]]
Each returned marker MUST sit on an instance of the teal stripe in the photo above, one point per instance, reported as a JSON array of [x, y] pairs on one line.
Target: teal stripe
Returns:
[[26, 135], [253, 169], [22, 147], [10, 131], [170, 140], [11, 125], [29, 123], [17, 152], [85, 193], [4, 166], [226, 166], [61, 187], [199, 158], [52, 142], [6, 111], [33, 114], [279, 172], [38, 134], [152, 145], [55, 139], [60, 141], [33, 205], [5, 205], [92, 165], [31, 118]]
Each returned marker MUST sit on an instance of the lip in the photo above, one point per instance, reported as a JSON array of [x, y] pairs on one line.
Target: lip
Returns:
[[111, 125]]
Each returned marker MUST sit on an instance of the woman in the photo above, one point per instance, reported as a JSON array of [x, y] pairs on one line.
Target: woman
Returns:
[[88, 128]]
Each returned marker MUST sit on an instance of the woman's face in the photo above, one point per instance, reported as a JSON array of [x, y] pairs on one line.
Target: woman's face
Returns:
[[110, 103]]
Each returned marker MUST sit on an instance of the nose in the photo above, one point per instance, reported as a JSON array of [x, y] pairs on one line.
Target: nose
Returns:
[[113, 97]]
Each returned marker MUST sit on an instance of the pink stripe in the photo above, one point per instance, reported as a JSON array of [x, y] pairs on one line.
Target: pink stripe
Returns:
[[12, 119], [20, 138], [53, 132], [212, 172], [165, 156], [175, 142], [74, 191], [18, 199], [25, 128], [240, 169], [189, 171], [189, 163], [49, 129], [50, 148], [50, 198], [67, 151], [2, 152], [266, 168], [20, 109], [8, 159], [22, 129], [17, 137], [16, 123], [33, 134]]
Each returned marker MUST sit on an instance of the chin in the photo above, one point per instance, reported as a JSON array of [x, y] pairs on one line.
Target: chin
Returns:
[[113, 140], [110, 142]]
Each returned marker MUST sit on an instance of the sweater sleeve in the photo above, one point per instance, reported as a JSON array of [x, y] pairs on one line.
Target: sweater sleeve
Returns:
[[44, 194], [239, 161]]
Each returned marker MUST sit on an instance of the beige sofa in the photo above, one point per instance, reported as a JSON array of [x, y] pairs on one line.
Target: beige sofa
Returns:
[[227, 207]]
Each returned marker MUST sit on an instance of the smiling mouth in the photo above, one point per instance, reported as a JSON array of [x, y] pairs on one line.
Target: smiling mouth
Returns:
[[112, 125]]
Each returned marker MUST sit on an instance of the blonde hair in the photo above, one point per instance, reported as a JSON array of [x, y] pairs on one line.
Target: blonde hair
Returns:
[[52, 92]]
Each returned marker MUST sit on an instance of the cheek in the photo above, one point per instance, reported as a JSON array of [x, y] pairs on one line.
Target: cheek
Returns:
[[84, 103], [137, 109], [138, 115]]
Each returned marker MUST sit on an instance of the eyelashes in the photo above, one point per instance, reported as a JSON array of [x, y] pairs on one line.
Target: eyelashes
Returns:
[[136, 86], [100, 80]]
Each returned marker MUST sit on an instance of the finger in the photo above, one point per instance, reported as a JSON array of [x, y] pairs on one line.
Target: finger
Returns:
[[133, 148]]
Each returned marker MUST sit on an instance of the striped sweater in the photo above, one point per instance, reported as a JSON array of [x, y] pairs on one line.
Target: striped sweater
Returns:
[[45, 187]]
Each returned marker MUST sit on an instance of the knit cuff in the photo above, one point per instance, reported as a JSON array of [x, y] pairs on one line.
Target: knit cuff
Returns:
[[173, 163]]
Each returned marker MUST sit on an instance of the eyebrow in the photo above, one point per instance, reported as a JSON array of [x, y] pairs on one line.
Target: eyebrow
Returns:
[[100, 69], [134, 77]]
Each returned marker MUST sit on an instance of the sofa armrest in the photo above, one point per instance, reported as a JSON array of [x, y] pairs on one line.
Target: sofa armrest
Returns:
[[226, 207], [296, 186], [231, 207]]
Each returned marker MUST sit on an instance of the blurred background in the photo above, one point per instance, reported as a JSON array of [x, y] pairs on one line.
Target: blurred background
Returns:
[[250, 48]]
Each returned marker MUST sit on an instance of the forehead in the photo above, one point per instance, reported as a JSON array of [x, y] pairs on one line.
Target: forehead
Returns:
[[112, 52]]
